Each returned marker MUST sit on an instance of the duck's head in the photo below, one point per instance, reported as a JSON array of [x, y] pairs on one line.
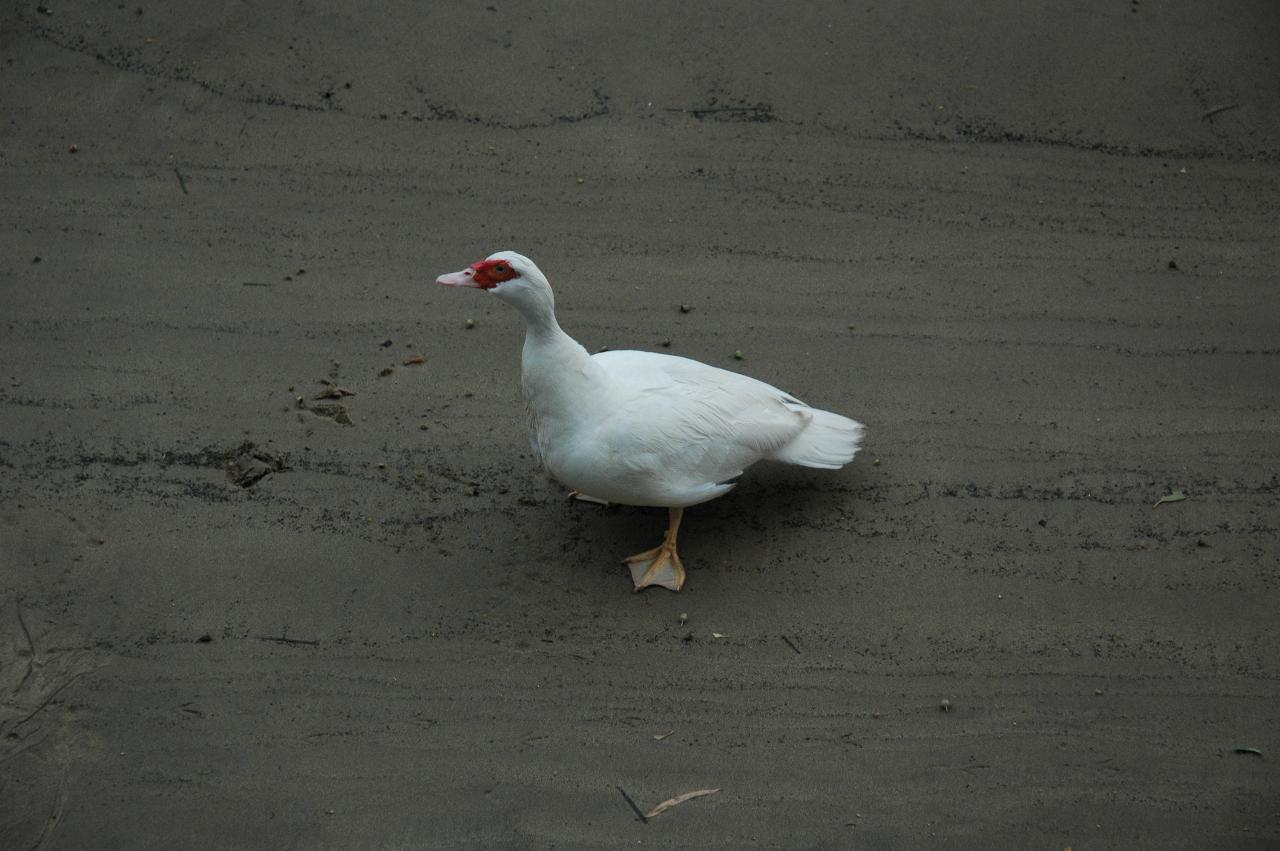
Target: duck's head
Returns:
[[511, 277]]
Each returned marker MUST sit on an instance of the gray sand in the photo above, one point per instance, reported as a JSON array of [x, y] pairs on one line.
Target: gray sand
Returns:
[[1033, 249]]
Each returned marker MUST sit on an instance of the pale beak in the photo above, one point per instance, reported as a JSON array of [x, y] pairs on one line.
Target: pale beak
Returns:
[[465, 278]]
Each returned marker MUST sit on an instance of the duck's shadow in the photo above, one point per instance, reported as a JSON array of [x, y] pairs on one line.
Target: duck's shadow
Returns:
[[770, 499]]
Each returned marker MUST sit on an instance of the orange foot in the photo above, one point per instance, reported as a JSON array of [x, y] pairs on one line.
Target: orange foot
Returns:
[[660, 565]]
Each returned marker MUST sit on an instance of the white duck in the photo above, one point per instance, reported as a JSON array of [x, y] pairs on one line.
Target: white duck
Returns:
[[642, 428]]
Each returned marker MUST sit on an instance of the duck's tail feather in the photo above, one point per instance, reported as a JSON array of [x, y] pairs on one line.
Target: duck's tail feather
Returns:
[[829, 442]]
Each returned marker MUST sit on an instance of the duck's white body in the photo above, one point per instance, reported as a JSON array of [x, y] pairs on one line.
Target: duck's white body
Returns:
[[642, 428], [648, 429]]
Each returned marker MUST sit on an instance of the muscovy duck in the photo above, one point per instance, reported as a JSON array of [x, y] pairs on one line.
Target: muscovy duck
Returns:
[[642, 428]]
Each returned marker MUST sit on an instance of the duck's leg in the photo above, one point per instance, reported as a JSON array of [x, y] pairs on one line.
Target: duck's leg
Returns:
[[660, 565]]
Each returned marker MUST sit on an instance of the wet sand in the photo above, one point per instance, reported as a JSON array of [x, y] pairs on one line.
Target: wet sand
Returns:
[[1034, 251]]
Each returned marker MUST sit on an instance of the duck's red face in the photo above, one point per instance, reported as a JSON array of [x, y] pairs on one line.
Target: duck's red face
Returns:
[[484, 275]]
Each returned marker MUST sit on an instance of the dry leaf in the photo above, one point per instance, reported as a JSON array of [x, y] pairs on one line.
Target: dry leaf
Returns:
[[662, 736], [415, 360], [718, 635], [1176, 496], [678, 799]]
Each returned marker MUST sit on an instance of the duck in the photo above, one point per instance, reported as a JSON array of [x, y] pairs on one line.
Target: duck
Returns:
[[644, 428]]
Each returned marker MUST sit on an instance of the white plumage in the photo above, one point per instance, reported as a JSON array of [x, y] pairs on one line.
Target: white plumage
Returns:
[[643, 428]]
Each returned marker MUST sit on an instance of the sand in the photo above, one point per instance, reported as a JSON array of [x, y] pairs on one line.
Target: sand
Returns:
[[1033, 248]]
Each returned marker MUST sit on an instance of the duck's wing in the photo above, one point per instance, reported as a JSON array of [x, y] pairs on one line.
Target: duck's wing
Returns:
[[714, 421]]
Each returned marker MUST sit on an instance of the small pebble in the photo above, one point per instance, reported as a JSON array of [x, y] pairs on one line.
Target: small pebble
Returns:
[[738, 355], [471, 323]]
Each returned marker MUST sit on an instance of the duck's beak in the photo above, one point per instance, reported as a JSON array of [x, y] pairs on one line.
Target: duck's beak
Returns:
[[465, 278]]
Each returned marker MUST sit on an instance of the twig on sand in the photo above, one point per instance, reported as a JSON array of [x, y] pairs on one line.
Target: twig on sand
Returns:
[[55, 816], [284, 639], [639, 813], [679, 799], [791, 644], [31, 645], [1214, 110], [182, 181], [706, 110], [45, 702]]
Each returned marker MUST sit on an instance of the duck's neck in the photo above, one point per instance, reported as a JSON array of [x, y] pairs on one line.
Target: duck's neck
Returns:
[[561, 384], [554, 366], [558, 377]]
